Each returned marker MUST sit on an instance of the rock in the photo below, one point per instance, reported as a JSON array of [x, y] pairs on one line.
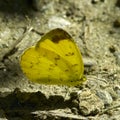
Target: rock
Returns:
[[90, 104], [117, 89], [55, 22], [104, 96]]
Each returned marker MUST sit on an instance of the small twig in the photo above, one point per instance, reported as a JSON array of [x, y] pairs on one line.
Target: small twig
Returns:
[[37, 32], [108, 109], [58, 114]]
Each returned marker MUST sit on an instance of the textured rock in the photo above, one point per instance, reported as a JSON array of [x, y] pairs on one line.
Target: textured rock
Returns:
[[90, 104], [105, 97]]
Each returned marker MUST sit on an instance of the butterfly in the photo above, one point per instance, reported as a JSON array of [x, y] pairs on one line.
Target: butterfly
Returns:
[[54, 60]]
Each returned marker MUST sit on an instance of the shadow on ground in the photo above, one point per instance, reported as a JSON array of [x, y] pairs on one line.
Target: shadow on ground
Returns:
[[22, 7], [22, 104]]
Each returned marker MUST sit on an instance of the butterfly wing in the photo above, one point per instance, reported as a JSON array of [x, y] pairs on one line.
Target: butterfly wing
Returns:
[[54, 60]]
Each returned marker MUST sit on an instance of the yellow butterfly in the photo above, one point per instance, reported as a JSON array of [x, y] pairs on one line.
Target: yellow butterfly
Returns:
[[54, 60]]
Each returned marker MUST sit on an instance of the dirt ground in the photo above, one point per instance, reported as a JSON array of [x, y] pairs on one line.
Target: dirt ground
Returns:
[[95, 26]]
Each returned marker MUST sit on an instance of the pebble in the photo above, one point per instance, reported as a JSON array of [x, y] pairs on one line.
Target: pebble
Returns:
[[90, 104], [117, 90], [104, 96], [58, 22]]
